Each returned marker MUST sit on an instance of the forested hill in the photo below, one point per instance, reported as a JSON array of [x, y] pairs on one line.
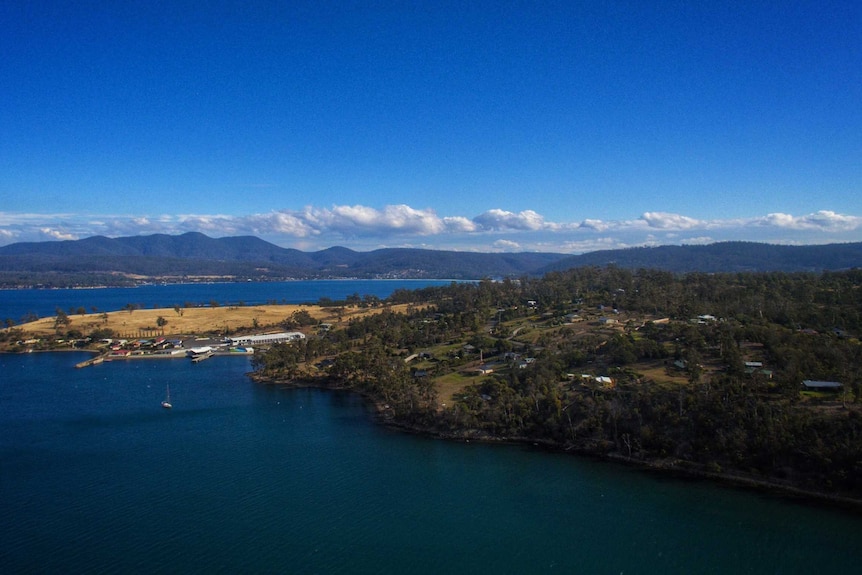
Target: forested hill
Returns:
[[723, 257], [195, 254], [102, 260]]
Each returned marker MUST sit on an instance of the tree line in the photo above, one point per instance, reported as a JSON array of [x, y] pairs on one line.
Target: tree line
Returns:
[[704, 408]]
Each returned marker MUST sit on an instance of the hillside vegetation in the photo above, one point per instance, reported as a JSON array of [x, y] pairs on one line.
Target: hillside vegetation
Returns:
[[126, 261], [188, 257], [702, 373]]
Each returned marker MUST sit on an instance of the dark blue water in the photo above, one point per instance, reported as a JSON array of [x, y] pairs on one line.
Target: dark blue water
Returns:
[[16, 304], [241, 478]]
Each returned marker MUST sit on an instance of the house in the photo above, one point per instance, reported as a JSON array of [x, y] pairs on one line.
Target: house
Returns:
[[756, 368], [485, 369], [814, 385]]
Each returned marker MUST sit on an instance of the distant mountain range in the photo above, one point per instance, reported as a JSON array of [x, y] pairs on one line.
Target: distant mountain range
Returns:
[[723, 257], [247, 257], [195, 254]]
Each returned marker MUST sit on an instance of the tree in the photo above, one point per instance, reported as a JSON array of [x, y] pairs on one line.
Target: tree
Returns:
[[303, 318], [61, 320], [161, 322]]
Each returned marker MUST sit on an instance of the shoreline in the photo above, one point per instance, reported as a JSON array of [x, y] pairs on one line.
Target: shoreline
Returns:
[[676, 468]]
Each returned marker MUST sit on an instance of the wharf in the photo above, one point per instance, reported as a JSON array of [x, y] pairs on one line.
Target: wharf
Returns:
[[200, 357], [92, 361]]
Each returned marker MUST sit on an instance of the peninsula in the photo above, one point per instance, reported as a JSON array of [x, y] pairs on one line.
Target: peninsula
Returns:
[[752, 377]]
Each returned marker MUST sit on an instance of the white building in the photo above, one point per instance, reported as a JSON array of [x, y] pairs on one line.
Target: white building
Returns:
[[267, 338]]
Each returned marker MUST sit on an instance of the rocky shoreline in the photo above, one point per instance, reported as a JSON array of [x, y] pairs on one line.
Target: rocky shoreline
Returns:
[[668, 467]]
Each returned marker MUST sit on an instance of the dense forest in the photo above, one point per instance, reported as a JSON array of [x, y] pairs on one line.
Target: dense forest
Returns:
[[701, 373], [98, 260]]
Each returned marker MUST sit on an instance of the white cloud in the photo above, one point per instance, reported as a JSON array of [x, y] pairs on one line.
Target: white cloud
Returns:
[[591, 245], [497, 219], [506, 245], [52, 234], [666, 221], [21, 218], [364, 227], [823, 220], [283, 223], [597, 225], [459, 224], [223, 225], [364, 220]]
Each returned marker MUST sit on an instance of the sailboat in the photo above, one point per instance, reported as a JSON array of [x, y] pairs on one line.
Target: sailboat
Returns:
[[167, 402]]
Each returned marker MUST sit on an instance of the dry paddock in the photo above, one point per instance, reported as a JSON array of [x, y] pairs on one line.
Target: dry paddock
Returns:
[[197, 320]]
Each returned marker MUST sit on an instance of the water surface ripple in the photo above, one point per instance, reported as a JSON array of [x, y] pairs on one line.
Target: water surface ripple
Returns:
[[97, 477]]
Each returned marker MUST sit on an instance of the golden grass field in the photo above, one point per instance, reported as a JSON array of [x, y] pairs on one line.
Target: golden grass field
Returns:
[[198, 320]]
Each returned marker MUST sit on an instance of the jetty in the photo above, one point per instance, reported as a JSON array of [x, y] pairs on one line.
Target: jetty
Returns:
[[92, 361], [202, 356]]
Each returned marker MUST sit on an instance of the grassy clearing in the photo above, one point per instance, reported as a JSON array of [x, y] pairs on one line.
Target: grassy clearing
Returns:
[[198, 320], [451, 384], [657, 371]]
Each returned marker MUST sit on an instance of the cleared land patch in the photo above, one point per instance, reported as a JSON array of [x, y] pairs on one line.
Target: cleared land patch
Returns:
[[198, 320]]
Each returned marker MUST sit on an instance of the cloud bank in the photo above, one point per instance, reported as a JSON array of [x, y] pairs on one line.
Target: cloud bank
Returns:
[[364, 227]]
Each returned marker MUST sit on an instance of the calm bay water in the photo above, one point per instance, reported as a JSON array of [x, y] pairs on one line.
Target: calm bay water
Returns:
[[16, 304], [242, 478], [239, 477]]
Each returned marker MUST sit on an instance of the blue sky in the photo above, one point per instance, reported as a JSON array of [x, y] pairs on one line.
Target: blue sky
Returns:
[[488, 126]]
